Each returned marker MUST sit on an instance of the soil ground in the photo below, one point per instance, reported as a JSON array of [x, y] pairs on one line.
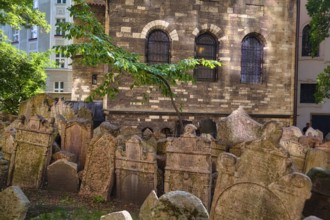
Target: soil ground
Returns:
[[43, 201]]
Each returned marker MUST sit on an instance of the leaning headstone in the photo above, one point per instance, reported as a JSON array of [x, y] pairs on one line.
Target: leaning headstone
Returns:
[[62, 176], [147, 205], [14, 204], [175, 205], [33, 149], [99, 173], [189, 165], [261, 182], [122, 215], [315, 158], [319, 204], [136, 171], [238, 127]]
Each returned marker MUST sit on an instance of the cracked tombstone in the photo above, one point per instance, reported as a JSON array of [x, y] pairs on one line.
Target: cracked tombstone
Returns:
[[261, 182]]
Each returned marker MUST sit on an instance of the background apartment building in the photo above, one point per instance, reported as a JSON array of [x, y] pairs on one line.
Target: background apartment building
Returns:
[[59, 78], [308, 69]]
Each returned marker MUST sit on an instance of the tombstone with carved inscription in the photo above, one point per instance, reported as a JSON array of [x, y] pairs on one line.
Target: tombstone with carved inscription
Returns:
[[99, 170], [136, 170], [189, 165], [261, 182], [33, 149]]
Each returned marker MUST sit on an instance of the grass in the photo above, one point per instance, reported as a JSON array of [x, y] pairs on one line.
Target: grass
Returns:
[[76, 214]]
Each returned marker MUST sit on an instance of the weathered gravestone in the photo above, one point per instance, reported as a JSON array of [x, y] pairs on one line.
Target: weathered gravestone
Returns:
[[238, 127], [33, 149], [261, 183], [189, 165], [76, 135], [319, 204], [173, 205], [98, 178], [62, 176], [122, 215], [315, 158], [14, 204], [136, 171]]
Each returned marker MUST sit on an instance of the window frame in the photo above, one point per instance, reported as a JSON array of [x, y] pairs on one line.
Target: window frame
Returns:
[[15, 36], [252, 66], [58, 86], [61, 2], [34, 32], [59, 32], [307, 99], [60, 60], [306, 47], [200, 70], [158, 43]]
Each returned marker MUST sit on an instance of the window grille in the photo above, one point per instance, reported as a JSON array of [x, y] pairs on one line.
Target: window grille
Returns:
[[59, 87], [158, 47], [61, 1], [206, 47], [306, 47], [251, 60]]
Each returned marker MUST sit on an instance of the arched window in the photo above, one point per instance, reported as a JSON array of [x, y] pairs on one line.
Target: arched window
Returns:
[[206, 47], [251, 60], [158, 47], [306, 47]]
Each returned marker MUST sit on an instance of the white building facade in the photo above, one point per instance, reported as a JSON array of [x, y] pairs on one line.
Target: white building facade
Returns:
[[59, 78], [308, 69]]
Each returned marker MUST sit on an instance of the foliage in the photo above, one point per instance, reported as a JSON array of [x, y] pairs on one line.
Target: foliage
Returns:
[[95, 47], [21, 76], [323, 86], [20, 12], [319, 10], [98, 199], [76, 214]]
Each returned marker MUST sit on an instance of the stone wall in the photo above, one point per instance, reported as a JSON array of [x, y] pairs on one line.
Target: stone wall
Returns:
[[229, 22]]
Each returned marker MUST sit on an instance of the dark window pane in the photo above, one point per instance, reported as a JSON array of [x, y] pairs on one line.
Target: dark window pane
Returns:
[[251, 60], [307, 93], [206, 47], [158, 47]]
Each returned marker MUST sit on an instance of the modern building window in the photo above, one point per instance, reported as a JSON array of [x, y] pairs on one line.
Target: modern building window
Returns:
[[34, 32], [58, 31], [59, 87], [206, 47], [15, 36], [61, 1], [306, 47], [251, 60], [307, 91], [35, 4], [158, 47], [60, 60]]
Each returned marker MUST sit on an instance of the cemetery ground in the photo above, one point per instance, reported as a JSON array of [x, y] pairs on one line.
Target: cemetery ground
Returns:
[[53, 205]]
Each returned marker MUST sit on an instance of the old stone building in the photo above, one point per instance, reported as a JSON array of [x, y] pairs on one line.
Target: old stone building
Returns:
[[254, 39]]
